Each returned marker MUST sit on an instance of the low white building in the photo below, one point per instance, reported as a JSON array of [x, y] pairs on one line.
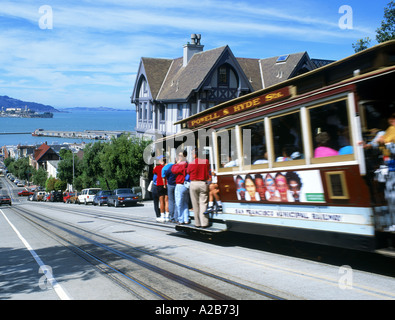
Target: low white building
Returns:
[[52, 168]]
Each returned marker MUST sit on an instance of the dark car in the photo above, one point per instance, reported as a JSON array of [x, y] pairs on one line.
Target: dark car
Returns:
[[55, 196], [101, 197], [5, 200], [122, 196]]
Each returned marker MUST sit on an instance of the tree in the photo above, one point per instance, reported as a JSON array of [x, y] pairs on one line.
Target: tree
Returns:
[[122, 161], [20, 168], [109, 165], [361, 44], [40, 176], [384, 33], [60, 185], [91, 169], [8, 161], [50, 184], [387, 29], [65, 167]]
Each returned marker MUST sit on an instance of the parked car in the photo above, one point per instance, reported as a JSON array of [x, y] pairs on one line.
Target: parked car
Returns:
[[67, 196], [74, 199], [138, 192], [39, 196], [101, 197], [25, 193], [55, 196], [122, 196], [5, 200], [87, 195]]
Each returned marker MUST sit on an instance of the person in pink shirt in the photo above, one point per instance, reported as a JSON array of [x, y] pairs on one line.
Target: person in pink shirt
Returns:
[[323, 149]]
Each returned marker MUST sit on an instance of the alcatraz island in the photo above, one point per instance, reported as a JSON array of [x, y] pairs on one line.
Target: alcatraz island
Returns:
[[23, 113]]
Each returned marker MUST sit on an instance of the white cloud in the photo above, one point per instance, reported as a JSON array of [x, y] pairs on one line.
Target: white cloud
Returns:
[[94, 48]]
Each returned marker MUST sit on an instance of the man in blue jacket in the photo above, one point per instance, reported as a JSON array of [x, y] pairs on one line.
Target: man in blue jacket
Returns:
[[170, 183]]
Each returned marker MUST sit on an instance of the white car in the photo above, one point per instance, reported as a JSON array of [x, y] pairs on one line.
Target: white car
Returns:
[[87, 195]]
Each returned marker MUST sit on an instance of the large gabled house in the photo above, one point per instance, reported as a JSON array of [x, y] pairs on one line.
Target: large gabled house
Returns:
[[168, 90], [41, 155]]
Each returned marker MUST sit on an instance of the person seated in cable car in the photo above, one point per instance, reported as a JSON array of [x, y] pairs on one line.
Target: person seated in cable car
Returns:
[[323, 146]]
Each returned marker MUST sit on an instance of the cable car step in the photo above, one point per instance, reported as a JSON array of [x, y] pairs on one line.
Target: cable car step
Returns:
[[213, 228], [389, 252]]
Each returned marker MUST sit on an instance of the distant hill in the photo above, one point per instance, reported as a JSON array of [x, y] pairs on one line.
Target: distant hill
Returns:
[[93, 109], [8, 102]]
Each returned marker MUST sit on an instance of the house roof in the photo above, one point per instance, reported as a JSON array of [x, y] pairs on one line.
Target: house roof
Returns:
[[156, 70], [168, 79], [275, 72], [41, 151], [179, 83], [251, 70], [54, 163]]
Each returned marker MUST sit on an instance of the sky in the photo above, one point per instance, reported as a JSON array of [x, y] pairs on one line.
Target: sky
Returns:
[[86, 53]]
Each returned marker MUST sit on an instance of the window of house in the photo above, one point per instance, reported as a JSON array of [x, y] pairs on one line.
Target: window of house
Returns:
[[223, 76], [143, 92], [330, 131], [145, 111], [179, 111], [150, 112], [140, 111], [162, 113], [145, 87]]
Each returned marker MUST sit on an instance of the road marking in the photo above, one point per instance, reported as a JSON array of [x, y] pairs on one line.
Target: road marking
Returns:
[[47, 272]]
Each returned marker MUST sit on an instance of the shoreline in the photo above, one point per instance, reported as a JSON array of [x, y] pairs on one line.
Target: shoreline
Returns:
[[87, 134]]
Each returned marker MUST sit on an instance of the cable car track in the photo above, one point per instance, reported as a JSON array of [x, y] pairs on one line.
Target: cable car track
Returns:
[[100, 254], [110, 216]]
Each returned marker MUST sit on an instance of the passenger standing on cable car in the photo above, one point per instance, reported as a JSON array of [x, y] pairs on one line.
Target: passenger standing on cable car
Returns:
[[162, 192], [170, 182], [155, 197], [199, 172], [179, 169]]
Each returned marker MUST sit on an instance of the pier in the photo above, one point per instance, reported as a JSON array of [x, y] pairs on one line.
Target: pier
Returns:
[[7, 133], [87, 134]]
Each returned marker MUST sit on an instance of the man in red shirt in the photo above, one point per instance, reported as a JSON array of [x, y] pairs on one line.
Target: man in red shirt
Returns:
[[199, 173]]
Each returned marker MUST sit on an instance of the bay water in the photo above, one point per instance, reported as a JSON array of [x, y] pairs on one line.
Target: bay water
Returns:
[[72, 121]]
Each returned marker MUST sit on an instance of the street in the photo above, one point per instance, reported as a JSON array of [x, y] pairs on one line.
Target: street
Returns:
[[52, 251]]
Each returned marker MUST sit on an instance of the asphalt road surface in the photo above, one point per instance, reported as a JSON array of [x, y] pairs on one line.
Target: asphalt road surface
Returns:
[[57, 251]]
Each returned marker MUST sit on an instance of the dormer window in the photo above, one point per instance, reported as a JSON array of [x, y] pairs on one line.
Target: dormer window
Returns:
[[223, 76], [282, 58], [143, 88]]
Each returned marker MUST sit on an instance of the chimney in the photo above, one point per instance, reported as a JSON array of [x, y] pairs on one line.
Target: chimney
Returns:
[[191, 48]]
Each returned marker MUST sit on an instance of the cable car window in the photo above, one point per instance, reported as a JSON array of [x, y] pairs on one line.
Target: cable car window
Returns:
[[330, 132], [227, 149], [254, 143], [287, 138]]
